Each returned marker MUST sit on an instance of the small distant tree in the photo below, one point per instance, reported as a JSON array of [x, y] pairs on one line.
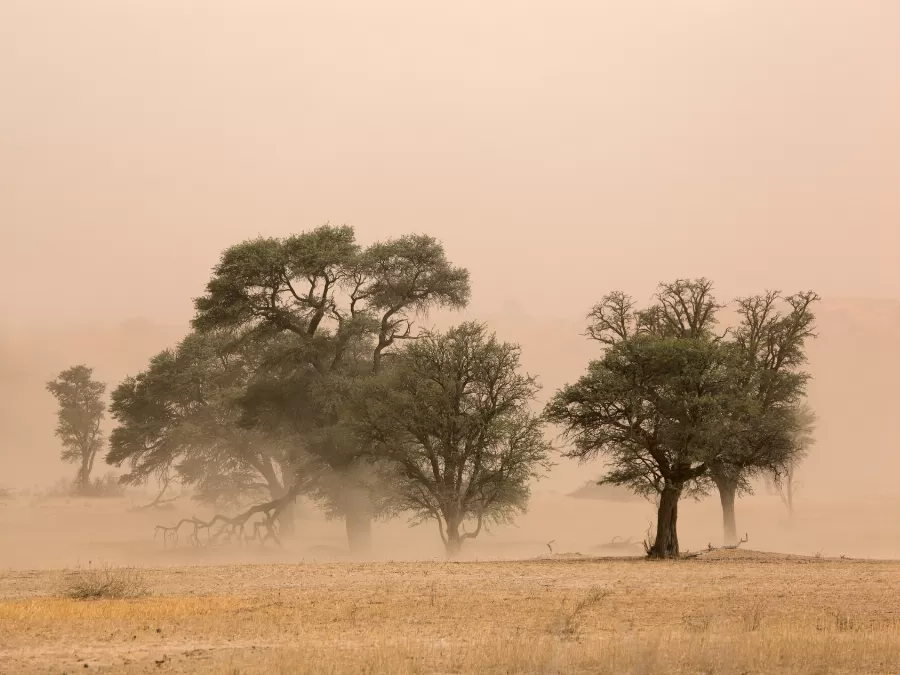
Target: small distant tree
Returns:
[[81, 410], [450, 418]]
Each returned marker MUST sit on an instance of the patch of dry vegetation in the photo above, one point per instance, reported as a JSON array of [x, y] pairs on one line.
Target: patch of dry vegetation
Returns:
[[725, 613], [104, 582]]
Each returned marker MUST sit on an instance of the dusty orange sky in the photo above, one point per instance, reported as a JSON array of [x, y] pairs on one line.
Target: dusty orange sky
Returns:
[[559, 149]]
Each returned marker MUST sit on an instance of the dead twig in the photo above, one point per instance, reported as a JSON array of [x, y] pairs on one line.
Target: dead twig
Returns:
[[729, 547]]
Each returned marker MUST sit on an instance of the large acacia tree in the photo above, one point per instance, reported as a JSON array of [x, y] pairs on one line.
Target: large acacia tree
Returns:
[[670, 400], [450, 420], [80, 413], [333, 300]]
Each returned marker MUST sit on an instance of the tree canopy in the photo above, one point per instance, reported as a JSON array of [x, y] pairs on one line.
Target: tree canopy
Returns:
[[182, 413], [451, 420], [672, 400], [341, 309]]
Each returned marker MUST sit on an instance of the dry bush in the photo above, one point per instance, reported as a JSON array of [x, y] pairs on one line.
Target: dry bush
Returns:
[[106, 487], [106, 582]]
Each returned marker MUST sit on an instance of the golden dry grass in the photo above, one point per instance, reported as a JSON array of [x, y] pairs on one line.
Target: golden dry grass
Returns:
[[735, 612]]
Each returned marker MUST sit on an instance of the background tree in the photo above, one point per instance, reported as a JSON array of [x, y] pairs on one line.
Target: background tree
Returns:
[[182, 415], [770, 350], [450, 419], [81, 410], [802, 429], [333, 301]]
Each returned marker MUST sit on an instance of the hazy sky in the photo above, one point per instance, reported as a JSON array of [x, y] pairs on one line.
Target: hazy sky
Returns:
[[560, 149]]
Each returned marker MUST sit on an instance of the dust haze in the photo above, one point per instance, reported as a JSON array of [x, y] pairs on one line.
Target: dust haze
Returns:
[[558, 150]]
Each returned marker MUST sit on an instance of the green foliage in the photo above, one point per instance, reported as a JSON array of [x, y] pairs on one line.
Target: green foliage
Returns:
[[326, 290], [450, 421], [339, 309], [656, 407], [671, 403], [183, 413], [81, 410], [769, 347]]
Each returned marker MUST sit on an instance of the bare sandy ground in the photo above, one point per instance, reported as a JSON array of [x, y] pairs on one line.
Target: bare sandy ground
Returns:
[[727, 612], [509, 606]]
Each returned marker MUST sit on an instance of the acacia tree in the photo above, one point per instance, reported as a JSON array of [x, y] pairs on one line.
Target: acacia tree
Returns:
[[451, 421], [332, 299], [181, 415], [675, 405], [770, 349], [81, 410], [300, 410], [654, 407]]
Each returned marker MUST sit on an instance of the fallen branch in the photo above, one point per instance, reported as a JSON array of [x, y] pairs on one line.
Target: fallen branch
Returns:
[[729, 547], [235, 526]]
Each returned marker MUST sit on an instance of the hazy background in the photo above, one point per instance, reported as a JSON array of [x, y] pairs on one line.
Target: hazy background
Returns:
[[559, 149]]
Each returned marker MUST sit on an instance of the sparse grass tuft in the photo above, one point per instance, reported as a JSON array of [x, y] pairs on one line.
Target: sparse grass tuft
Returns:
[[571, 617], [753, 616], [95, 583]]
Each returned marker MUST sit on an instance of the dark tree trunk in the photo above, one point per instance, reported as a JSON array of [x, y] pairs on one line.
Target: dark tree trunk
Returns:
[[285, 518], [454, 543], [666, 544], [727, 491], [453, 540], [358, 519]]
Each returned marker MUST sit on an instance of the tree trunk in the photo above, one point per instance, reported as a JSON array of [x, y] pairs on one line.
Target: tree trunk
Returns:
[[454, 544], [454, 541], [358, 519], [278, 488], [666, 544], [84, 476], [286, 526], [727, 492], [285, 518]]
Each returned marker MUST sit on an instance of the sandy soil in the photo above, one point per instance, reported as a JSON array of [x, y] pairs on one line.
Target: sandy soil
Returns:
[[723, 612]]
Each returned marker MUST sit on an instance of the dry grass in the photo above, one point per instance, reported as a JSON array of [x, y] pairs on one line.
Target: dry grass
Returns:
[[105, 582], [740, 613]]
